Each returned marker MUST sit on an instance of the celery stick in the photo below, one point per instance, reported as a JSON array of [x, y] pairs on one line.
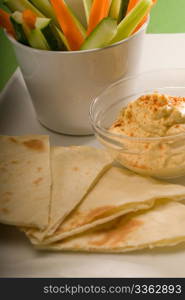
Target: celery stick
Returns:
[[87, 7], [118, 9], [115, 9], [76, 21], [20, 5], [130, 22]]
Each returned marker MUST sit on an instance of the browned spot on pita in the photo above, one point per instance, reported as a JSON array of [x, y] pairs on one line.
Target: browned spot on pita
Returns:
[[4, 210], [34, 144], [75, 169], [39, 169], [80, 219], [117, 234], [75, 222], [38, 180], [96, 213], [14, 162], [13, 140], [60, 230]]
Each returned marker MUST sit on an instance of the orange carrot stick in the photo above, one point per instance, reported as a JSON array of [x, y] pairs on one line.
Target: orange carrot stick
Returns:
[[131, 5], [29, 18], [67, 24], [6, 23], [99, 11]]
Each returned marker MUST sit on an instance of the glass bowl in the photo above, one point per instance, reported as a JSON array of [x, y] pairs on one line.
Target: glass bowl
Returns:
[[161, 157]]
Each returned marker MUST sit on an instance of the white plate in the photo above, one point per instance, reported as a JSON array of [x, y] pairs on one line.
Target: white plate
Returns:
[[17, 256]]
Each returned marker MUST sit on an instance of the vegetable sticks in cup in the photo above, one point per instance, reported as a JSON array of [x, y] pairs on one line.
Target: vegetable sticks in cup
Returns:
[[62, 29]]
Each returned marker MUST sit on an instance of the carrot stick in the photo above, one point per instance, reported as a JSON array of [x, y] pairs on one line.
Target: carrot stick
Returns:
[[99, 11], [131, 5], [65, 19], [6, 23], [29, 18]]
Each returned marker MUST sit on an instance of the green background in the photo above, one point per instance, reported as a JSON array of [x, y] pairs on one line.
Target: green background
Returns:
[[167, 16]]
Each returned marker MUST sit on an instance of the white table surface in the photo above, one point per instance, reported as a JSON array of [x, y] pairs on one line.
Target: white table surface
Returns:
[[17, 256]]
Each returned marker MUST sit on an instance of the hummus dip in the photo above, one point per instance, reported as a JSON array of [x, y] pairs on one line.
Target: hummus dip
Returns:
[[154, 121]]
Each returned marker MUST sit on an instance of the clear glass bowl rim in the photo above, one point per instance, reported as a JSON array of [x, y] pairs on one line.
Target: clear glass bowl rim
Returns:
[[112, 135]]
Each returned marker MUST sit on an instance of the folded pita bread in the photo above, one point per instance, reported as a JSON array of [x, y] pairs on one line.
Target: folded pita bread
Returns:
[[163, 225], [25, 180], [118, 192], [74, 171]]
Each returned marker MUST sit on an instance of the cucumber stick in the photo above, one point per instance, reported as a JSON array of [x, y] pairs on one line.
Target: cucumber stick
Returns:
[[21, 5], [46, 36], [20, 31], [63, 40], [54, 39], [130, 22], [87, 7], [36, 37], [37, 40], [118, 9], [46, 8], [101, 35]]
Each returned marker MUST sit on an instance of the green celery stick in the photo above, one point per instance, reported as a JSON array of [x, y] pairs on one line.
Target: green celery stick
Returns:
[[118, 9], [21, 5], [46, 8], [87, 7], [130, 22], [76, 21]]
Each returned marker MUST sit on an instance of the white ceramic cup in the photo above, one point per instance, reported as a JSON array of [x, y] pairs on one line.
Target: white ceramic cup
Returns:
[[63, 84]]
